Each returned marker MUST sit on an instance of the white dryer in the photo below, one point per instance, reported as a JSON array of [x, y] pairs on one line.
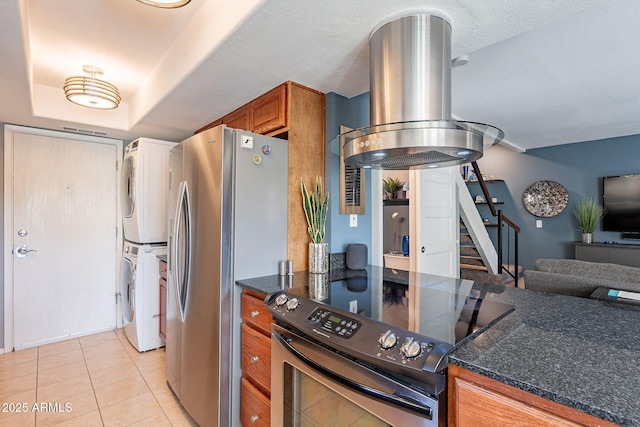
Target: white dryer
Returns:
[[145, 187], [140, 294]]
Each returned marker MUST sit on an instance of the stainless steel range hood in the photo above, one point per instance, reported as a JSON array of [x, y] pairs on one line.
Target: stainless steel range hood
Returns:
[[411, 123]]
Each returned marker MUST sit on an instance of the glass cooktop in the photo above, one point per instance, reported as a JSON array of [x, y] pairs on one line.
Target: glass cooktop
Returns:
[[446, 309]]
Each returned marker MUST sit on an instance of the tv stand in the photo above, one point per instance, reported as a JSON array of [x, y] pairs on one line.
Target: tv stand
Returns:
[[632, 236], [622, 254]]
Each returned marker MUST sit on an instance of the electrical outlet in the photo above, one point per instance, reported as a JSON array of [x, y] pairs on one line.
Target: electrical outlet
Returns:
[[353, 220], [353, 306], [538, 223]]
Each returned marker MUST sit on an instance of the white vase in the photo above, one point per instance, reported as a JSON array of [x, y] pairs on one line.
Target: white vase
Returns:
[[318, 257], [587, 237]]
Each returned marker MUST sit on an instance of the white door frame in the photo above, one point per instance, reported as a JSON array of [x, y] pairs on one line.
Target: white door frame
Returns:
[[377, 221], [9, 131]]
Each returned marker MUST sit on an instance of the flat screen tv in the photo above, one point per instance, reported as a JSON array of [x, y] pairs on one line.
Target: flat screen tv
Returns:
[[621, 199]]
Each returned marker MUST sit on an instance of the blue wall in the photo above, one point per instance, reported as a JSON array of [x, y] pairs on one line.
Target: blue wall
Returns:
[[578, 167], [354, 113]]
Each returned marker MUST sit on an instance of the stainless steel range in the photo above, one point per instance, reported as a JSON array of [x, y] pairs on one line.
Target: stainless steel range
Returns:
[[371, 346]]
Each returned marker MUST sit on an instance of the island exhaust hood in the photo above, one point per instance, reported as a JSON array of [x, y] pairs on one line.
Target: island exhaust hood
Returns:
[[411, 123]]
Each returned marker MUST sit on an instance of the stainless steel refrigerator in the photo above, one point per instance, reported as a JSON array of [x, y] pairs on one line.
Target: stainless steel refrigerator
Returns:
[[227, 221]]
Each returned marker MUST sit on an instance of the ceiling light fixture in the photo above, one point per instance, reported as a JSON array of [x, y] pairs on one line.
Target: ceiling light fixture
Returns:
[[167, 4], [91, 92]]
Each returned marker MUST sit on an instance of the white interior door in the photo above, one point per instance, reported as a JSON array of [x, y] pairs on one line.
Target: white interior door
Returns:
[[435, 222], [64, 228]]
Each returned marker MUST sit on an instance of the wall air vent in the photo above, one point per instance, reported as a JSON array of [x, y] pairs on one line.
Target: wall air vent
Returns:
[[84, 131]]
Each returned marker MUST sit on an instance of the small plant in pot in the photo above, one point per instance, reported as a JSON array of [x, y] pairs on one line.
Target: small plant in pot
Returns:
[[315, 205], [391, 187], [588, 213]]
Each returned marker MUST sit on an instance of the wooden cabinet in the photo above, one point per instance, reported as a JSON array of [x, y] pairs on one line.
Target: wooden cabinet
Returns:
[[256, 407], [269, 112], [238, 119], [256, 361], [163, 300], [265, 114], [296, 113], [476, 400]]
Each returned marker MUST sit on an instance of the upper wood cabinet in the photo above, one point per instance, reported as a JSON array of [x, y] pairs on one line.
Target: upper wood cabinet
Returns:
[[265, 114], [297, 113], [269, 112]]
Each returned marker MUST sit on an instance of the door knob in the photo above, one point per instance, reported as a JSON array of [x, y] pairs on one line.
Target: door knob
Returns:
[[22, 251]]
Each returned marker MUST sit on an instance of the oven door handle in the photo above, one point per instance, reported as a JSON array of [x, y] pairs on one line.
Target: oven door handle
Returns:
[[352, 374]]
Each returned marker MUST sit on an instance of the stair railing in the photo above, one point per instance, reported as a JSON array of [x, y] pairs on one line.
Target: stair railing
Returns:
[[512, 232]]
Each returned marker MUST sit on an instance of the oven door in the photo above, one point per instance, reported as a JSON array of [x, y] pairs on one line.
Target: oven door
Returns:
[[311, 385]]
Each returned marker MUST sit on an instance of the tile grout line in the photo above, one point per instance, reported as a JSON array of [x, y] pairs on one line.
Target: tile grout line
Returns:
[[146, 382], [93, 389]]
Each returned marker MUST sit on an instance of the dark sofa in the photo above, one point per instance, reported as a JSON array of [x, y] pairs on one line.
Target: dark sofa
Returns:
[[580, 278]]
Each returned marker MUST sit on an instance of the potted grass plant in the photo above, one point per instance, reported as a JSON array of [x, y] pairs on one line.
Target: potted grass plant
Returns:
[[588, 213], [315, 205], [391, 186]]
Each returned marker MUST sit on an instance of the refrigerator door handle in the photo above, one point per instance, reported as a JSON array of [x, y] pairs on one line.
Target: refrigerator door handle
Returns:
[[182, 259]]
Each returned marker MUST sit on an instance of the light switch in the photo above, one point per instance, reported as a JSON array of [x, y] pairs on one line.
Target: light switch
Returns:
[[538, 223], [353, 220]]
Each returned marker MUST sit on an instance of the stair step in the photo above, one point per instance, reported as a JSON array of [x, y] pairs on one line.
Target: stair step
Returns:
[[474, 267]]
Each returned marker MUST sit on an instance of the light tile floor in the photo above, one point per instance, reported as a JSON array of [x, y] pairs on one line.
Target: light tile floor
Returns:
[[97, 380]]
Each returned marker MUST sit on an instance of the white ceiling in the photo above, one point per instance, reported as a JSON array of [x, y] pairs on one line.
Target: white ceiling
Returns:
[[546, 72]]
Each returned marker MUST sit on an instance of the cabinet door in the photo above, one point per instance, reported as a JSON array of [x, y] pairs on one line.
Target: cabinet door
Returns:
[[269, 111], [239, 119], [163, 300], [256, 407], [163, 309], [476, 400]]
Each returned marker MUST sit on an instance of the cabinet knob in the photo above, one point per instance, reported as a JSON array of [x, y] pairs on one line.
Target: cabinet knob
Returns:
[[255, 313], [254, 359], [254, 418]]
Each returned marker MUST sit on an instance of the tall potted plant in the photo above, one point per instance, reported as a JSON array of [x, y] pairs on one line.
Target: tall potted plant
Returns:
[[315, 205], [588, 213]]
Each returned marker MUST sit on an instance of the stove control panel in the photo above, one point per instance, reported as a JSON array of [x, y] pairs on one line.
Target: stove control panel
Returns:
[[334, 323], [359, 336]]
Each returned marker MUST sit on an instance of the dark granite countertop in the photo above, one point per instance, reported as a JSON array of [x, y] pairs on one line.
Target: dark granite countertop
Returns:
[[578, 352]]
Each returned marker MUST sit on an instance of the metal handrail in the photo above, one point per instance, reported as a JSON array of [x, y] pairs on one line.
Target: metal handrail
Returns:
[[502, 219]]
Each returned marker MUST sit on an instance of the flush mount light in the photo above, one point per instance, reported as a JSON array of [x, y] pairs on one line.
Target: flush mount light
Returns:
[[91, 92], [167, 4]]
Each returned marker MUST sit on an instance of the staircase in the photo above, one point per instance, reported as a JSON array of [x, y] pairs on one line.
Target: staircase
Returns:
[[479, 259], [472, 266]]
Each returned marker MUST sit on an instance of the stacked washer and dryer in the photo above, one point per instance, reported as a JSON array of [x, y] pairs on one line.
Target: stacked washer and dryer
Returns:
[[145, 187]]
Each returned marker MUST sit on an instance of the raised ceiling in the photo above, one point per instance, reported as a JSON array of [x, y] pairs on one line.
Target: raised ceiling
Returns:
[[546, 72]]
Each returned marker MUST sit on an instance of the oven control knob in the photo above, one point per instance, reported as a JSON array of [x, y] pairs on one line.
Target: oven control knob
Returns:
[[281, 300], [292, 304], [410, 348], [387, 340]]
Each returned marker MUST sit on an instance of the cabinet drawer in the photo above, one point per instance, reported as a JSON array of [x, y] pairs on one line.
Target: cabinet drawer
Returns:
[[254, 311], [255, 408], [256, 356]]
